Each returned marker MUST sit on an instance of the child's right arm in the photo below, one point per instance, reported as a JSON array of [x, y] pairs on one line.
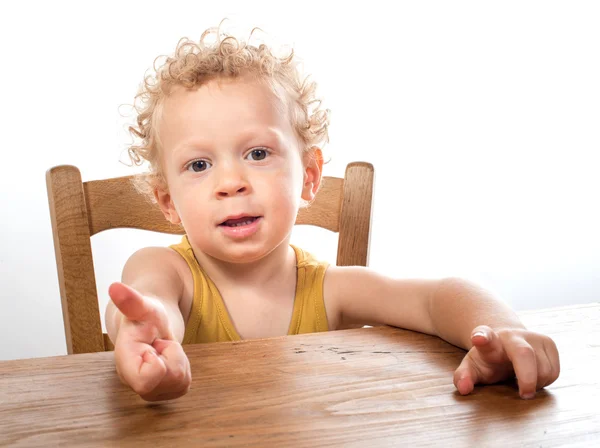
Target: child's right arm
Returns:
[[146, 325]]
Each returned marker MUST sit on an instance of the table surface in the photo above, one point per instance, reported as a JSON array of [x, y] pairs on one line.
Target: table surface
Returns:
[[367, 387]]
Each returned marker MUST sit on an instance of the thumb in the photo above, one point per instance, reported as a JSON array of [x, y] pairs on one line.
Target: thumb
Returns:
[[486, 347], [466, 376]]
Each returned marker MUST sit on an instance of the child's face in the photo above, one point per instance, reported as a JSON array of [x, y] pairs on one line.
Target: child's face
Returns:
[[234, 169]]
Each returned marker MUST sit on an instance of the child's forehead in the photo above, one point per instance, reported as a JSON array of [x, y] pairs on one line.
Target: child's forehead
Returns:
[[222, 106], [226, 97], [229, 90]]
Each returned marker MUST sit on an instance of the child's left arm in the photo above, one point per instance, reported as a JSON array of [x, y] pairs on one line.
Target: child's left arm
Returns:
[[499, 347]]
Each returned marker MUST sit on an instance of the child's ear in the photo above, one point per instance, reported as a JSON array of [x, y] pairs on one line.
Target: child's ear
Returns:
[[163, 198], [313, 170]]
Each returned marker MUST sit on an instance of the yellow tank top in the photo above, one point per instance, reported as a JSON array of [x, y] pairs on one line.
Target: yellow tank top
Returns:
[[209, 320]]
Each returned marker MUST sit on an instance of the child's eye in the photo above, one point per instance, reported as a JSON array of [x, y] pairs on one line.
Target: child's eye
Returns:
[[257, 154], [198, 165]]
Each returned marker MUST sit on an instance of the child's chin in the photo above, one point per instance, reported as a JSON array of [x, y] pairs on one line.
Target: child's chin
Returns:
[[241, 255]]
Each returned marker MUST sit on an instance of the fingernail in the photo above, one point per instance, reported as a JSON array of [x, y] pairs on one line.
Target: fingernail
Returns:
[[479, 333], [528, 396]]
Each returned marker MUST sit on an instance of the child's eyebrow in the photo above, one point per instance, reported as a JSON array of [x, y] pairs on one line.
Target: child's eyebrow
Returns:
[[262, 135], [188, 145]]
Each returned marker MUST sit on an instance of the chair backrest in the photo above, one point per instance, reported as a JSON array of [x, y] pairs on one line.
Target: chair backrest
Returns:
[[79, 210]]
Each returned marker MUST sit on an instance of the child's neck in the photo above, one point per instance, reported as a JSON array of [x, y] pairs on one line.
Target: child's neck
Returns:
[[266, 271]]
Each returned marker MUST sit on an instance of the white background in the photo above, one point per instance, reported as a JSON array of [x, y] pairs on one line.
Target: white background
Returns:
[[482, 120]]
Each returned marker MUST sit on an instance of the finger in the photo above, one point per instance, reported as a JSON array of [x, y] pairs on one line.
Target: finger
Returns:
[[178, 378], [129, 301], [488, 344], [177, 362], [481, 336], [554, 360], [168, 394], [523, 359], [544, 369], [466, 376], [143, 373], [161, 344], [151, 373], [138, 308]]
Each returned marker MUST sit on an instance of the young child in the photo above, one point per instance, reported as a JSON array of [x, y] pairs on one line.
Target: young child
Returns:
[[232, 135]]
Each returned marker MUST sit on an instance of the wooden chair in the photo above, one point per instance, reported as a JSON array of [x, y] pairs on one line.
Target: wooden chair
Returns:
[[79, 210]]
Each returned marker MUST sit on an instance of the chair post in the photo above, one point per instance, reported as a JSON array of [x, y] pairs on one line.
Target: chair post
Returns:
[[355, 216], [70, 228]]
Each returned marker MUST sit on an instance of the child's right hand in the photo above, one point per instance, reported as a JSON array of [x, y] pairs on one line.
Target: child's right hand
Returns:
[[147, 356]]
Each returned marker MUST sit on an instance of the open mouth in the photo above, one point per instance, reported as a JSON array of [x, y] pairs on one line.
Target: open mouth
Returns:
[[238, 222]]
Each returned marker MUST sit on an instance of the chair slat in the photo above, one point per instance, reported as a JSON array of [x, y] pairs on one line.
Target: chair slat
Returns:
[[73, 251], [355, 218], [325, 210], [115, 203]]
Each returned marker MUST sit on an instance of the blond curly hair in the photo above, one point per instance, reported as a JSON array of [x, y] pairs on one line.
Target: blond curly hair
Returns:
[[196, 63]]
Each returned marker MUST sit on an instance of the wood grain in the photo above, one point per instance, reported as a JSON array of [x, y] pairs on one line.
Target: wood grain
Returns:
[[75, 266], [325, 210], [367, 387], [115, 203], [355, 217]]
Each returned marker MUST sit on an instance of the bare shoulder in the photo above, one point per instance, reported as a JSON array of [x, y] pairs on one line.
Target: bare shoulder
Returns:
[[357, 295], [150, 255], [161, 260]]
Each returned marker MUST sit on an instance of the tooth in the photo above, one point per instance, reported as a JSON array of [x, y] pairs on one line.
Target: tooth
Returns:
[[243, 223]]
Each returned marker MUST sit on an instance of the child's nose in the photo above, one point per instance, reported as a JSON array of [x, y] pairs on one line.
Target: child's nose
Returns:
[[232, 182], [226, 191]]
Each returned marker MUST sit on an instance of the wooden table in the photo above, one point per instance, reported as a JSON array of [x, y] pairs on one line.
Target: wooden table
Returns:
[[367, 387]]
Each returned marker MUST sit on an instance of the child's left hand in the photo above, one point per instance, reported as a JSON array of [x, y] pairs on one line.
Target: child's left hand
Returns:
[[500, 355]]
